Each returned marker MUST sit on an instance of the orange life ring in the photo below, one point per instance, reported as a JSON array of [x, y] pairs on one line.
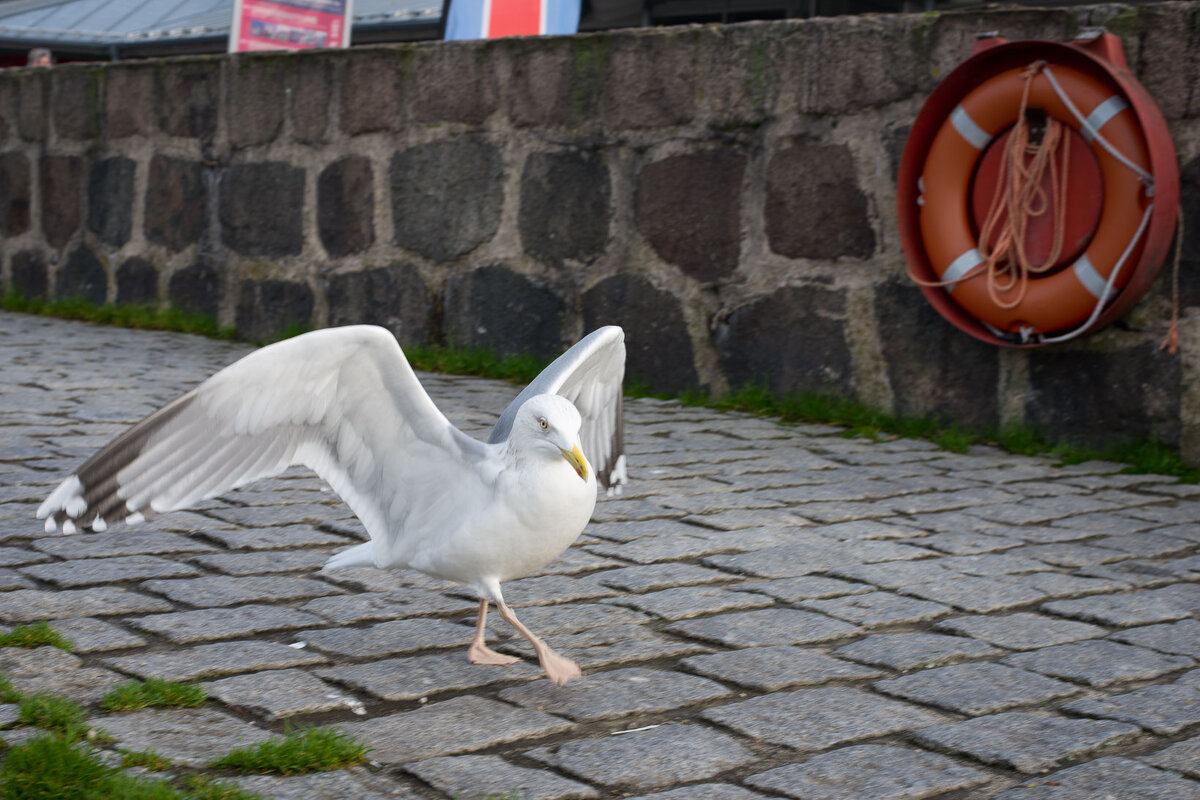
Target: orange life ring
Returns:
[[1058, 300]]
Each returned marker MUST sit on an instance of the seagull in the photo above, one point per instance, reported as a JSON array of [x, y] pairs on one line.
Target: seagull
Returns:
[[345, 403]]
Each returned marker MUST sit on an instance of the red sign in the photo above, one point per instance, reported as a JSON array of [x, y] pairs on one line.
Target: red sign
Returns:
[[289, 24]]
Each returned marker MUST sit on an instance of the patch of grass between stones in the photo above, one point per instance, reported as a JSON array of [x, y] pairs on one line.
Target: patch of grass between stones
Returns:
[[1142, 457], [153, 692], [147, 759], [143, 317], [35, 635], [56, 714], [49, 767], [297, 752]]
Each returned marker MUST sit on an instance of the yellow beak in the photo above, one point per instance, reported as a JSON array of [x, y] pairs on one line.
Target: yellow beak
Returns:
[[575, 458]]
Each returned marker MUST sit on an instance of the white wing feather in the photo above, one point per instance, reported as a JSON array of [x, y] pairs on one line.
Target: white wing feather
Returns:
[[590, 375], [342, 401]]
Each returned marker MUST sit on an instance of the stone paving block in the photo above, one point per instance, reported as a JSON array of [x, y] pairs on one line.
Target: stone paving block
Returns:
[[1135, 572], [211, 624], [1117, 778], [768, 626], [357, 783], [894, 574], [635, 690], [389, 638], [89, 635], [685, 602], [547, 621], [91, 571], [120, 543], [1021, 631], [990, 565], [966, 543], [1182, 757], [211, 660], [649, 758], [1181, 637], [1028, 743], [815, 719], [223, 590], [794, 560], [1165, 709], [11, 579], [1099, 662], [651, 577], [975, 689], [476, 776], [1190, 678], [879, 772], [907, 651], [275, 538], [546, 590], [667, 547], [878, 608], [373, 606], [983, 595], [19, 556], [609, 645], [258, 563], [28, 605], [807, 587], [1055, 585], [772, 668], [1071, 554], [49, 669], [1137, 608], [279, 693], [420, 676], [459, 725], [703, 791], [190, 736], [1145, 544]]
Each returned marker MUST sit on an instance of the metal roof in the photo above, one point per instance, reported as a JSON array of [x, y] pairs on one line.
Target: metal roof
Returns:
[[116, 22]]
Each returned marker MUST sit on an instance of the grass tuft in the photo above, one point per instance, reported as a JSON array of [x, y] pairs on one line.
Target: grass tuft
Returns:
[[147, 759], [48, 767], [143, 317], [296, 752], [153, 692], [8, 692], [35, 635], [56, 714]]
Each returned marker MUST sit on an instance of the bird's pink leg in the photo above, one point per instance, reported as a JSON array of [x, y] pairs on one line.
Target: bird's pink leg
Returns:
[[558, 669], [480, 653]]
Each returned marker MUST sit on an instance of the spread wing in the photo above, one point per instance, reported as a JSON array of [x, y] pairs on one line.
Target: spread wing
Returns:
[[590, 376], [342, 401]]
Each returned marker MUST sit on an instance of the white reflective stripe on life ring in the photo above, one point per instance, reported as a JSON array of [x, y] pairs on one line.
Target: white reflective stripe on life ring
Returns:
[[1092, 280], [1100, 116], [961, 266], [975, 135]]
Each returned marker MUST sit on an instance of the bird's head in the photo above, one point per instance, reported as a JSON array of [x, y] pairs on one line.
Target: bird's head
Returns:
[[550, 423]]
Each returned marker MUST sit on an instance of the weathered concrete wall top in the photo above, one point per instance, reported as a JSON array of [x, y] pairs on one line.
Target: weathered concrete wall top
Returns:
[[725, 193]]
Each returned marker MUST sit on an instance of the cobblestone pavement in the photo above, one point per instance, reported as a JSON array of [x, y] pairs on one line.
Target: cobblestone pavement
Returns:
[[769, 611]]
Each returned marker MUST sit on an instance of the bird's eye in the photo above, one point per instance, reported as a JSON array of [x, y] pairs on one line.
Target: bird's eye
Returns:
[[542, 421]]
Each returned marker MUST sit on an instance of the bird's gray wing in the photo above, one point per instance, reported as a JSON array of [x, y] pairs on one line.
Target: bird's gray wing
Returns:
[[342, 401], [590, 376]]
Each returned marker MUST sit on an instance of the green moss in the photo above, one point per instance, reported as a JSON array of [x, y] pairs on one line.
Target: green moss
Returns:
[[590, 59]]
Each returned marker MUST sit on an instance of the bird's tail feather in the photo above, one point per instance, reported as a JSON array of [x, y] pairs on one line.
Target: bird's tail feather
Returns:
[[361, 555]]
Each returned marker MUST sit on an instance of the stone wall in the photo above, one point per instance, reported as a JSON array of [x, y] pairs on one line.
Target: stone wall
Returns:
[[725, 193]]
